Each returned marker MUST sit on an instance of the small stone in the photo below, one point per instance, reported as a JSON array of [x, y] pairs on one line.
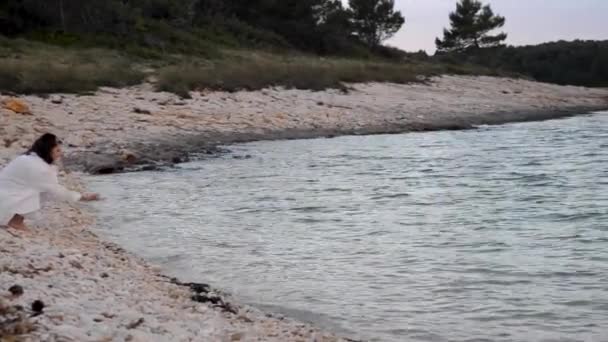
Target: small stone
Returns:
[[57, 99], [76, 264], [98, 320], [140, 110], [128, 156], [108, 315], [236, 336], [9, 142], [37, 306], [16, 290], [104, 275], [135, 324]]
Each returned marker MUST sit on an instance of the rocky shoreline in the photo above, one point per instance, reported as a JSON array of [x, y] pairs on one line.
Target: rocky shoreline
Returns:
[[135, 128], [168, 152], [91, 290], [73, 286]]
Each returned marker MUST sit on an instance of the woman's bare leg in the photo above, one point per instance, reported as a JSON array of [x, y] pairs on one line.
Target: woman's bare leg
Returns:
[[17, 222]]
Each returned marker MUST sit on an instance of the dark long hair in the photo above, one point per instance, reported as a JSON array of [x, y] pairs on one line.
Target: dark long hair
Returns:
[[43, 147]]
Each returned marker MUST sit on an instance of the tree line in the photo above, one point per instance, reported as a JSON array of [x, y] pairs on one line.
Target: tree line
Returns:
[[318, 26], [472, 39], [323, 27]]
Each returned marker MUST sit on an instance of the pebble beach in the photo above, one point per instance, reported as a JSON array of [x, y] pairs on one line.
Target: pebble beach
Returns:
[[63, 282]]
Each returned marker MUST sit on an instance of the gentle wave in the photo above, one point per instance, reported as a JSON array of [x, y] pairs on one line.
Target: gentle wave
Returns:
[[498, 234]]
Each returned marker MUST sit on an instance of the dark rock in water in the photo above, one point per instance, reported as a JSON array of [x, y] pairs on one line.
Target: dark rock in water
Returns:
[[207, 299], [107, 170], [202, 295], [99, 164], [216, 301], [199, 288], [38, 306], [177, 160], [16, 290], [149, 168]]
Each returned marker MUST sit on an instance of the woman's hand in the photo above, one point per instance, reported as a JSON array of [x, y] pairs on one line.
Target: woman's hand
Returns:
[[89, 197]]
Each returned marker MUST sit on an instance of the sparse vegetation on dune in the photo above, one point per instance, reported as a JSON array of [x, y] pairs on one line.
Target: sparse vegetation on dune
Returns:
[[35, 68], [257, 72]]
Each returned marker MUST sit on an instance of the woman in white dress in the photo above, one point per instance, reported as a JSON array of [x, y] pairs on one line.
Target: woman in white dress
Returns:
[[24, 179]]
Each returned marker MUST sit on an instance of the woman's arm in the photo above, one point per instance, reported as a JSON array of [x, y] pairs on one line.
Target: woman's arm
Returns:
[[44, 179], [58, 191]]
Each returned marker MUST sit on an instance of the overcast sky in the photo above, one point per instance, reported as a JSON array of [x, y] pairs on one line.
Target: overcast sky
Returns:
[[528, 21]]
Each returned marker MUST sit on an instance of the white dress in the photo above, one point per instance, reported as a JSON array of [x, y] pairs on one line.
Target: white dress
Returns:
[[22, 182]]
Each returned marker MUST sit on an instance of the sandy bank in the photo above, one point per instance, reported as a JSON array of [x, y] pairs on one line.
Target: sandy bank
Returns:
[[113, 128]]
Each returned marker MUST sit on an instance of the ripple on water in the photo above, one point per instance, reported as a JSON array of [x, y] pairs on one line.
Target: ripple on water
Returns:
[[498, 234]]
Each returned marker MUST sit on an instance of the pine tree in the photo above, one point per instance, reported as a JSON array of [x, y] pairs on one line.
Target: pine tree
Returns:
[[471, 25], [375, 21]]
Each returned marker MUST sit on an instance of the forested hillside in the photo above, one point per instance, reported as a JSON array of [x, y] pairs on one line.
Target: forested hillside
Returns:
[[75, 46], [197, 26], [579, 62]]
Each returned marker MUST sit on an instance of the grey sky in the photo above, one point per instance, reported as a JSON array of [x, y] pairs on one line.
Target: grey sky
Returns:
[[528, 21]]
